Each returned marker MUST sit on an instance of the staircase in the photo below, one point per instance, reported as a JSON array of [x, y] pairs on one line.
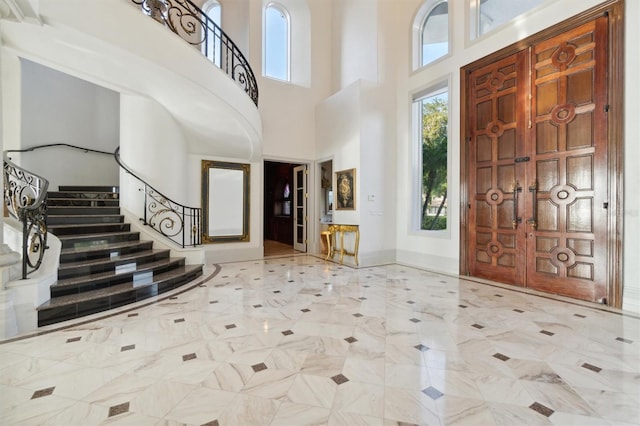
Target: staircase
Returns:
[[103, 265]]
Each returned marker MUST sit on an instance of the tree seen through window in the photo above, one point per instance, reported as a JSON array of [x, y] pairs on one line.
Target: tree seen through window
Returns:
[[434, 138]]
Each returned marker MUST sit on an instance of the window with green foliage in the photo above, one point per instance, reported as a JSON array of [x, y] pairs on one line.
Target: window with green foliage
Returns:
[[433, 116]]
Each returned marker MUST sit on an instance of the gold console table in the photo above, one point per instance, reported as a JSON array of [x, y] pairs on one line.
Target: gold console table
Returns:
[[330, 235]]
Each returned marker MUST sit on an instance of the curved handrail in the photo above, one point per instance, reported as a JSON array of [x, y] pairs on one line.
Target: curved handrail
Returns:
[[171, 219], [25, 195], [194, 26], [166, 216]]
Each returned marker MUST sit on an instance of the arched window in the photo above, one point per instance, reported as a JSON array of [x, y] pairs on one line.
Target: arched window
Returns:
[[211, 46], [431, 32], [276, 42]]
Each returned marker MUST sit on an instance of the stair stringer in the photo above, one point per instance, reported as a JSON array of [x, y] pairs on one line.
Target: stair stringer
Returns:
[[27, 295]]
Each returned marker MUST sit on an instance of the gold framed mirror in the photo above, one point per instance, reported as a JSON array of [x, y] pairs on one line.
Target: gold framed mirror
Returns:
[[225, 201]]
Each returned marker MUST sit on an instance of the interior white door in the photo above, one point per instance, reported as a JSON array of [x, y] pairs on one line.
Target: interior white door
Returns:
[[300, 196]]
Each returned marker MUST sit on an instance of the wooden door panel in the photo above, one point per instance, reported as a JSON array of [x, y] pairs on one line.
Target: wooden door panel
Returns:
[[496, 140], [569, 164]]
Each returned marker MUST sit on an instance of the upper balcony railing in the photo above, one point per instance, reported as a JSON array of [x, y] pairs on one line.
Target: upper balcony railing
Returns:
[[196, 28]]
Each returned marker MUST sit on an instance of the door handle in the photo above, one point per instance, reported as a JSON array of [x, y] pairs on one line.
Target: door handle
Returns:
[[533, 220], [516, 220]]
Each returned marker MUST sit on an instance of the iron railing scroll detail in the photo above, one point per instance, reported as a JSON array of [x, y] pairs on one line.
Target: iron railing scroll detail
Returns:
[[188, 21], [25, 196], [179, 223]]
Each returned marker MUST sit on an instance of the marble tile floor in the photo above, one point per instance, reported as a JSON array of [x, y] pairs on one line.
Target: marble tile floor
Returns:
[[297, 340]]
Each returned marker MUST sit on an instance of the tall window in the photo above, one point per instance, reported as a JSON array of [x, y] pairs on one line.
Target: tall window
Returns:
[[431, 112], [431, 32], [489, 14], [211, 47], [276, 42]]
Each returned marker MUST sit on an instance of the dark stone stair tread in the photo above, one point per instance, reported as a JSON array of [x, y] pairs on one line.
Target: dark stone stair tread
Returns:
[[82, 210], [117, 289], [88, 228], [107, 260], [80, 225], [108, 275], [104, 247], [85, 215], [96, 236]]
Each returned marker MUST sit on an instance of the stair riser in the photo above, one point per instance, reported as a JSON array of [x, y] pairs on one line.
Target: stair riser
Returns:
[[76, 188], [77, 242], [95, 284], [76, 220], [79, 211], [89, 195], [89, 229], [63, 313], [80, 256], [81, 202], [77, 271]]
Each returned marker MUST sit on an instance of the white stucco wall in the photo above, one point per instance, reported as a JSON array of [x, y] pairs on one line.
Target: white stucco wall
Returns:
[[151, 140]]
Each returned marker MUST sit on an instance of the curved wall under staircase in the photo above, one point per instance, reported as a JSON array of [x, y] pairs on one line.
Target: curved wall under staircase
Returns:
[[111, 43]]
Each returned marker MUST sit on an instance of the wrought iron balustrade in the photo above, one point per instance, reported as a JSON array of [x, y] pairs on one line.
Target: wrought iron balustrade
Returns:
[[188, 21], [179, 223], [25, 195]]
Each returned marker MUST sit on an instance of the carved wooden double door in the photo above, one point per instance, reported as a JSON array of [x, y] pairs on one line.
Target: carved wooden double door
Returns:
[[537, 166]]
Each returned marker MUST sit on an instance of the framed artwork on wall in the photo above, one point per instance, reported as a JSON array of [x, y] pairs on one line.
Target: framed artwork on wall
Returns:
[[345, 195]]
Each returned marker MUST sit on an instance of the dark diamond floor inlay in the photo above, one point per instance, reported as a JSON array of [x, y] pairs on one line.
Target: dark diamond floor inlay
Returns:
[[362, 298], [462, 306], [411, 302], [340, 379], [257, 306], [478, 326], [43, 392], [277, 291], [591, 367], [73, 339], [548, 333], [432, 393], [127, 348], [357, 315], [305, 310], [287, 332], [211, 423], [539, 408], [520, 311], [259, 367], [351, 339], [416, 320], [118, 409], [579, 315], [189, 357], [132, 315], [421, 347], [501, 357], [230, 326], [176, 321], [623, 340], [213, 302]]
